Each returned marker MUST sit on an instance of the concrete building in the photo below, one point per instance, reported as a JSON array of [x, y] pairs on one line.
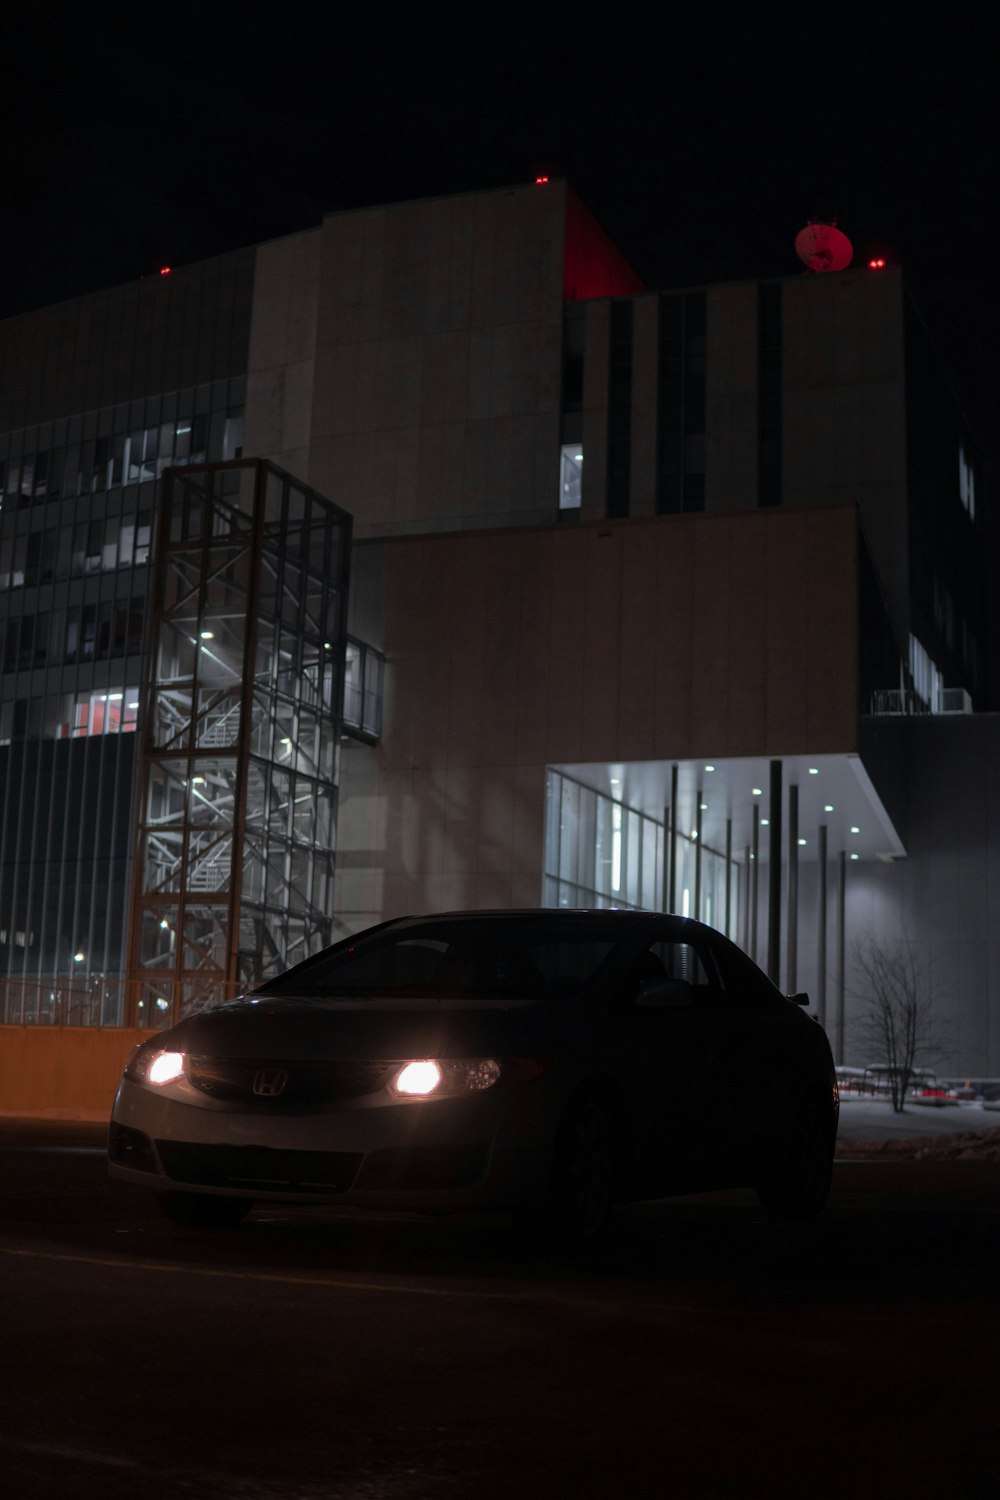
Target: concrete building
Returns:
[[657, 598]]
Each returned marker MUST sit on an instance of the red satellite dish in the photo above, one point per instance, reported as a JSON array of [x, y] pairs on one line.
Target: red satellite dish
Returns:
[[823, 247]]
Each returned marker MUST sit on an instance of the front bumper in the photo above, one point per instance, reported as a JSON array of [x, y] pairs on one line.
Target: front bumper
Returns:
[[488, 1153]]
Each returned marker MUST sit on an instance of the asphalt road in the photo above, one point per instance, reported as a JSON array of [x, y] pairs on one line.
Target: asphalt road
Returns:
[[320, 1356]]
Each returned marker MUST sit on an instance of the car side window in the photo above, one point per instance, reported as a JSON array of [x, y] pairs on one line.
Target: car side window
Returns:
[[746, 983], [673, 960]]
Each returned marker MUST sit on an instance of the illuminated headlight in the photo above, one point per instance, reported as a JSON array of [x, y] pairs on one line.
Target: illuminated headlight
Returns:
[[155, 1066], [429, 1076]]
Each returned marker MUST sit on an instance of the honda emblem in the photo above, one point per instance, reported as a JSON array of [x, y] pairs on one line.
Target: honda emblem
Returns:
[[268, 1083]]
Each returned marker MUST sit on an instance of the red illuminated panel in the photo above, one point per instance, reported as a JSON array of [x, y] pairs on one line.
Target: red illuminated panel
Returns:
[[592, 265]]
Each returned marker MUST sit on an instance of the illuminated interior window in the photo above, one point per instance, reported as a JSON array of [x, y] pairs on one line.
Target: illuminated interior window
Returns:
[[927, 680], [966, 483], [570, 477], [113, 712]]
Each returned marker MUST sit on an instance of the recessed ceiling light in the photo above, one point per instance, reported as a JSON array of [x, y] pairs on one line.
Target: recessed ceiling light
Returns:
[[704, 807], [757, 791], [828, 807], [814, 770], [855, 830], [803, 841], [855, 856], [709, 768], [765, 822]]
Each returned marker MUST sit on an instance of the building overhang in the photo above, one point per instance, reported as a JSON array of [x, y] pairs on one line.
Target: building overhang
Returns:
[[833, 790]]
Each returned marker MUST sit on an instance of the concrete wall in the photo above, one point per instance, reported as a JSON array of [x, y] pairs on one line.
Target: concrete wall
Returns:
[[282, 357], [438, 362], [63, 1072], [665, 638]]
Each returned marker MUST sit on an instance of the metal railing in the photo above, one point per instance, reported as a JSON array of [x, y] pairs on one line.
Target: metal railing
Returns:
[[100, 1000], [887, 702]]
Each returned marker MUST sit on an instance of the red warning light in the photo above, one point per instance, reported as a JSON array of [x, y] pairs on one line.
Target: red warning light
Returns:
[[878, 264], [540, 179], [164, 270]]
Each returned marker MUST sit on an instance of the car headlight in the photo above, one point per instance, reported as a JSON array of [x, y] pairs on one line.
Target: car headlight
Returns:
[[154, 1065], [429, 1076]]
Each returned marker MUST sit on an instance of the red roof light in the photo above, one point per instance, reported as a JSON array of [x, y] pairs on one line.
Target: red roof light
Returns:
[[878, 264], [164, 270], [540, 179]]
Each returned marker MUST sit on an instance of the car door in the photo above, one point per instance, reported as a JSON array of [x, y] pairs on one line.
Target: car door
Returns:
[[717, 1056], [683, 1062]]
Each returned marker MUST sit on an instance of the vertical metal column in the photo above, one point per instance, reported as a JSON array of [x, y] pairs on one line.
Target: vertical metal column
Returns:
[[746, 897], [792, 936], [754, 868], [729, 871], [672, 886], [838, 1036], [774, 878], [697, 860], [821, 930], [665, 868]]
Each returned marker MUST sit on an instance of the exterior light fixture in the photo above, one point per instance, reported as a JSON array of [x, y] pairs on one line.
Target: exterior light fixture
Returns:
[[704, 806], [855, 830], [828, 807], [164, 922], [758, 792], [855, 856], [208, 635], [765, 822], [709, 768], [164, 270], [803, 841], [814, 770], [78, 958]]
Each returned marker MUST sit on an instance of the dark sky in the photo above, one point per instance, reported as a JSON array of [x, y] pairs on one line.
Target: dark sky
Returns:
[[135, 137]]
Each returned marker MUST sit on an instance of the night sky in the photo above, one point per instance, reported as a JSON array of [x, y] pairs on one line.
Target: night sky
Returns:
[[136, 137]]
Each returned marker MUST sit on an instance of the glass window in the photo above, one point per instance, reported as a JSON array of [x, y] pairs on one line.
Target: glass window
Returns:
[[571, 477]]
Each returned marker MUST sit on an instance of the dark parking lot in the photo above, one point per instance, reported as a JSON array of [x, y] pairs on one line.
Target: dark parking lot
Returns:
[[700, 1351]]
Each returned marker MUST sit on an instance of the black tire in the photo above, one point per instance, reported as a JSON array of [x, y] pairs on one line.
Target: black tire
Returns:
[[584, 1174], [200, 1211], [801, 1188]]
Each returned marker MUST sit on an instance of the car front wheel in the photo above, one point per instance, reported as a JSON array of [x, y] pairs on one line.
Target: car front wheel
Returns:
[[583, 1181], [199, 1211], [800, 1188]]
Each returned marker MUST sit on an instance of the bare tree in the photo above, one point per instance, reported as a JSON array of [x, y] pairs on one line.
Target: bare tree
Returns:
[[896, 1019]]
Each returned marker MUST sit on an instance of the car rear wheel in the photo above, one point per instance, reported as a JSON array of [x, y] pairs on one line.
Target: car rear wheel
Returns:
[[800, 1189], [200, 1211]]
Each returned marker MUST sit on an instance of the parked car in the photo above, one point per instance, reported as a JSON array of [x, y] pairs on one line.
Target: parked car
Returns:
[[548, 1064]]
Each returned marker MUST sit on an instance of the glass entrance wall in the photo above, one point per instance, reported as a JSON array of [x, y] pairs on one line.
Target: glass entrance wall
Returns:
[[238, 771], [600, 853]]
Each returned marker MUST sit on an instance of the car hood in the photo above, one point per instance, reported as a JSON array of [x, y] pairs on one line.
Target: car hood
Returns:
[[267, 1026]]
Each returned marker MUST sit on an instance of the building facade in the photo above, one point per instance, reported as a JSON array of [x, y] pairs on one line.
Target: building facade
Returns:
[[662, 599]]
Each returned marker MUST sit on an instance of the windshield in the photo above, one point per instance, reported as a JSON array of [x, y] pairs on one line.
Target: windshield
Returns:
[[533, 958]]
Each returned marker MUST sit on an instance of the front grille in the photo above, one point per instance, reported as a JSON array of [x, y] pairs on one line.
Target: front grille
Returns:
[[307, 1086], [259, 1167]]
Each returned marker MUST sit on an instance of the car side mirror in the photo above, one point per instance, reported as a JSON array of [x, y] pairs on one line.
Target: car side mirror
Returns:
[[801, 999], [665, 994]]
